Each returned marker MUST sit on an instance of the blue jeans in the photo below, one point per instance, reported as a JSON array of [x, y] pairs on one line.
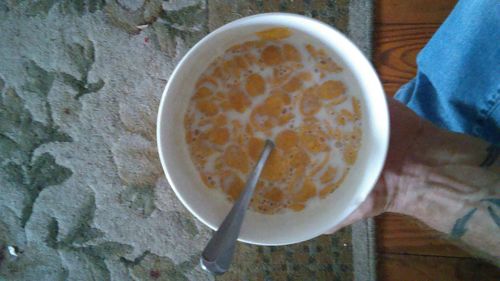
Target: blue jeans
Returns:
[[457, 86]]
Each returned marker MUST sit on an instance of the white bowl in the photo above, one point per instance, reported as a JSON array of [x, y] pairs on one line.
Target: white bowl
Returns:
[[211, 206]]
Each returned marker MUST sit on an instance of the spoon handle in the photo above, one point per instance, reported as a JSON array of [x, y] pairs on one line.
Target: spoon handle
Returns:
[[218, 253]]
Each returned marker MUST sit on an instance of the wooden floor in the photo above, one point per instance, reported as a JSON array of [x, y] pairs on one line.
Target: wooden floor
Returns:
[[408, 250]]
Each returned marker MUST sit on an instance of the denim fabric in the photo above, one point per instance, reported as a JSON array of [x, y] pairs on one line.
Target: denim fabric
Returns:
[[457, 86]]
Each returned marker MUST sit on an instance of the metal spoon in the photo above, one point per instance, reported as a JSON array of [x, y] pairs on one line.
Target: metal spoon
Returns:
[[217, 256]]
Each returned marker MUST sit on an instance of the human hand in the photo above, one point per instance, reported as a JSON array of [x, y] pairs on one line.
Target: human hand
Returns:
[[405, 130]]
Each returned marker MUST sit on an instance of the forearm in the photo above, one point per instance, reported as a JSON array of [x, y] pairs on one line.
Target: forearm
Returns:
[[442, 184]]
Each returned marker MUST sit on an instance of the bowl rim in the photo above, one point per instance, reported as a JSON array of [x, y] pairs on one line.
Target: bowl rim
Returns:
[[363, 194]]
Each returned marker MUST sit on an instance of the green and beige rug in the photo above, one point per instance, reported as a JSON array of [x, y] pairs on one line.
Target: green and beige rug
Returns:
[[82, 192]]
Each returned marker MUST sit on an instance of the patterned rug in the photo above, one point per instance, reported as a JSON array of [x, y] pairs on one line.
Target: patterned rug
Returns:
[[82, 192]]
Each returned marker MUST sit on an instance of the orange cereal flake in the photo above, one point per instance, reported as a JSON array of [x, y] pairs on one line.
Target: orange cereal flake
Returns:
[[218, 73], [244, 47], [294, 84], [287, 140], [331, 89], [336, 134], [317, 168], [259, 187], [345, 116], [236, 125], [349, 115], [240, 62], [249, 130], [324, 62], [226, 105], [312, 51], [202, 92], [273, 105], [236, 158], [305, 76], [328, 189], [234, 186], [268, 114], [239, 101], [285, 118], [297, 207], [255, 85], [327, 64], [356, 106], [255, 147], [328, 175], [331, 187], [307, 191], [336, 101], [275, 167], [282, 73], [219, 136], [230, 68], [208, 180], [207, 107], [295, 182], [188, 121], [206, 80], [355, 136], [201, 150], [189, 137], [206, 121], [220, 121], [274, 195], [250, 58], [219, 163], [298, 158], [271, 55], [290, 53], [285, 97], [260, 120], [315, 52], [236, 48], [314, 139], [341, 120], [276, 33], [219, 96], [309, 103], [350, 154], [238, 133]]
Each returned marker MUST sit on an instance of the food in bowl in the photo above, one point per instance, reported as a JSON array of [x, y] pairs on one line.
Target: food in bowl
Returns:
[[286, 90]]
